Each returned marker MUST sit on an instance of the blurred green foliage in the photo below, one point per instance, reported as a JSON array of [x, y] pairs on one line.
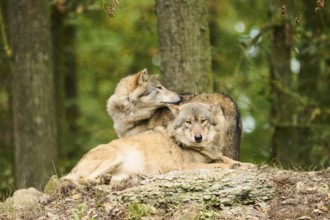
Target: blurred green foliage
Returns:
[[111, 48], [108, 49]]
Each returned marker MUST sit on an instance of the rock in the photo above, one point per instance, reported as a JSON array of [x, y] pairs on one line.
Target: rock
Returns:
[[24, 204], [52, 185], [254, 193]]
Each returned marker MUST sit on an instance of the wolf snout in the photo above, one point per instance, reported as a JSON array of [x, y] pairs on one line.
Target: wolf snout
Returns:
[[198, 138], [175, 100]]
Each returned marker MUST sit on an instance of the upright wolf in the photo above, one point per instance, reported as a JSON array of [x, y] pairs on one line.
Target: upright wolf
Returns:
[[187, 143], [135, 100]]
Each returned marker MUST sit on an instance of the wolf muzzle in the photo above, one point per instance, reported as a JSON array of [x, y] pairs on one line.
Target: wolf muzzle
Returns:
[[198, 138]]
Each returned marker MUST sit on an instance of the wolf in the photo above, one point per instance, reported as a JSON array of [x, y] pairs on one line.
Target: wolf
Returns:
[[188, 142], [139, 103], [135, 100], [226, 116]]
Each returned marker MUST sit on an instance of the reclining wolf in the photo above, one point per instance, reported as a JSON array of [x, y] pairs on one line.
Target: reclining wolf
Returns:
[[188, 142]]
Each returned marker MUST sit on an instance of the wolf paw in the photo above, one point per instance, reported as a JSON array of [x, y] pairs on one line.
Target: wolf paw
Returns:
[[242, 166], [66, 186], [105, 179]]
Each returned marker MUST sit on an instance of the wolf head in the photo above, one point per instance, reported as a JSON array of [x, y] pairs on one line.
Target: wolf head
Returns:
[[194, 125], [147, 91]]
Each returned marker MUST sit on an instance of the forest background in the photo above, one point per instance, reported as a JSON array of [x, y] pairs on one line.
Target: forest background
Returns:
[[282, 91]]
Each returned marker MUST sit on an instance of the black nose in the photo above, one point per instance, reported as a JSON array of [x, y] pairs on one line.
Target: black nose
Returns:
[[198, 138]]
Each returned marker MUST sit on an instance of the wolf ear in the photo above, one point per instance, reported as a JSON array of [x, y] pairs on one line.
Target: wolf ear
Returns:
[[216, 108], [143, 76], [174, 109]]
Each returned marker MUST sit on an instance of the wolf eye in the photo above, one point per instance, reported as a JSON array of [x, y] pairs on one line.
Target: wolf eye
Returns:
[[203, 121], [188, 122], [159, 87]]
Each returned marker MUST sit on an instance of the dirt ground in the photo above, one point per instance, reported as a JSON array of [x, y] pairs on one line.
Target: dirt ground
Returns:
[[255, 193]]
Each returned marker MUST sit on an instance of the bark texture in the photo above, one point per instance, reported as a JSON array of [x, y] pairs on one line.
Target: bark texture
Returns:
[[184, 44], [35, 131], [313, 83], [285, 140], [301, 131], [281, 86], [63, 39]]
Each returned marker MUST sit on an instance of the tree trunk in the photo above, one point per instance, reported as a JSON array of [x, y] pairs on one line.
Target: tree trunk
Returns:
[[63, 38], [57, 26], [184, 45], [6, 131], [313, 84], [35, 133], [301, 133], [284, 140]]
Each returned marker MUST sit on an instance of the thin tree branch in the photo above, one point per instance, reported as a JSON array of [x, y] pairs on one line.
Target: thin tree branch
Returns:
[[6, 47]]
